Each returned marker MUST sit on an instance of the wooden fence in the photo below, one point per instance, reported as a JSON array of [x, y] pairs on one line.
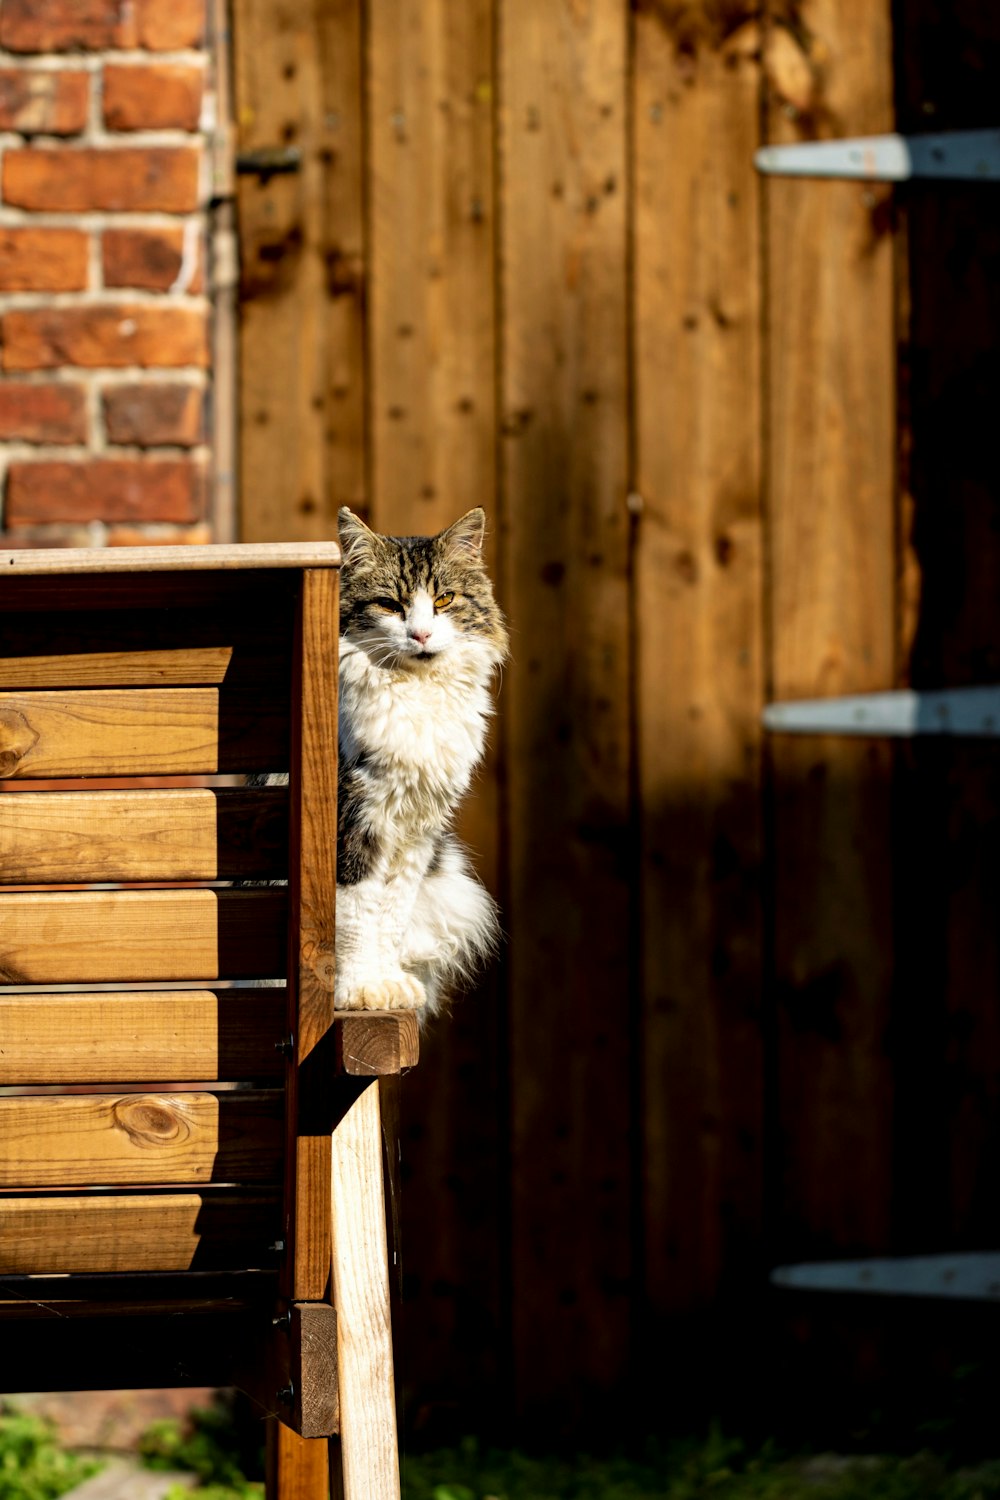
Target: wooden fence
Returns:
[[734, 441]]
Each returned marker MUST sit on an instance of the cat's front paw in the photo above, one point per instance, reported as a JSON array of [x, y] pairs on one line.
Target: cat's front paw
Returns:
[[394, 992]]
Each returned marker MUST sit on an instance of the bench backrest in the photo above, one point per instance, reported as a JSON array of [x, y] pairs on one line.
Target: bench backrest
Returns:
[[165, 1119]]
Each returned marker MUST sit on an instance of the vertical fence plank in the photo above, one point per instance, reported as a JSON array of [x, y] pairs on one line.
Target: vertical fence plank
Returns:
[[301, 398], [948, 888], [566, 708], [432, 215], [699, 620], [432, 251], [831, 445]]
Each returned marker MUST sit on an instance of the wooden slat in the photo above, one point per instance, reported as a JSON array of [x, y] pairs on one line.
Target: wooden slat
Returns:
[[296, 1467], [204, 1349], [95, 937], [196, 834], [699, 577], [236, 556], [138, 732], [566, 707], [432, 293], [95, 1235], [288, 250], [369, 1457], [242, 638], [152, 1036], [199, 665], [312, 892], [831, 450], [72, 1140]]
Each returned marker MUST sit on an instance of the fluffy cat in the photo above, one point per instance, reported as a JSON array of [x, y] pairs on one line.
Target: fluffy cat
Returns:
[[420, 639]]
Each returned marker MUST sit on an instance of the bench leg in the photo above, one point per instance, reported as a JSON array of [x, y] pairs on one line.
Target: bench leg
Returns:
[[360, 1281], [297, 1468]]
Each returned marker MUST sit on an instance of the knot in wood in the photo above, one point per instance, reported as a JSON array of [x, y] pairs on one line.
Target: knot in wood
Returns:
[[321, 962], [149, 1121], [17, 738]]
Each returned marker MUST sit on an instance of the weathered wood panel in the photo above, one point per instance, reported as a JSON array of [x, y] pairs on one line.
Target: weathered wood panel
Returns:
[[137, 732], [200, 664], [312, 894], [831, 441], [75, 1140], [564, 561], [300, 257], [141, 1037], [197, 834], [699, 577], [97, 1235], [97, 937]]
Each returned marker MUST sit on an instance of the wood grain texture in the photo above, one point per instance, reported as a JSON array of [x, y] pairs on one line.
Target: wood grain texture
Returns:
[[96, 937], [564, 560], [152, 732], [237, 556], [699, 576], [198, 665], [313, 895], [375, 1044], [197, 834], [154, 1036], [74, 1140], [312, 1337], [831, 447], [296, 1467], [368, 1451], [432, 293], [288, 268], [97, 1235]]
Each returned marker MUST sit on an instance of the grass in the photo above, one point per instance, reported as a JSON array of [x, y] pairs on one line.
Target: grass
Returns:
[[33, 1464], [226, 1459]]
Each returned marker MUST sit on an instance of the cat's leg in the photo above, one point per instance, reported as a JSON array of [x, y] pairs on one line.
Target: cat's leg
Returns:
[[372, 918], [453, 925]]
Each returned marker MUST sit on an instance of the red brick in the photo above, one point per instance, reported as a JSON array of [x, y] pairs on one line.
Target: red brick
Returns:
[[42, 338], [148, 258], [43, 260], [42, 413], [168, 27], [147, 415], [162, 97], [68, 180], [36, 101], [105, 490], [66, 25]]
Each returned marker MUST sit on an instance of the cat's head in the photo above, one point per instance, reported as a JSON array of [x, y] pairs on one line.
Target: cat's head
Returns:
[[415, 601]]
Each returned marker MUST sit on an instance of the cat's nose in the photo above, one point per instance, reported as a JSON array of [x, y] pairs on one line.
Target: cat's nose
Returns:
[[420, 636]]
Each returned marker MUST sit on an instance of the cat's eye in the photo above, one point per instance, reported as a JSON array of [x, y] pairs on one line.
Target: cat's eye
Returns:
[[391, 606], [443, 601]]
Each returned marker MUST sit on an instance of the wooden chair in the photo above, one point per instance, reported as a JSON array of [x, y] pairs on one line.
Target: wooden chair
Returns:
[[191, 1180]]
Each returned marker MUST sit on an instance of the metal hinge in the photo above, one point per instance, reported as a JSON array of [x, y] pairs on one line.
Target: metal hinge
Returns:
[[972, 713], [268, 161], [959, 156], [972, 1277]]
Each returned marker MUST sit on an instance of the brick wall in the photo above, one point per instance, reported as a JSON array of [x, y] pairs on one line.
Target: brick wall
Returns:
[[105, 119]]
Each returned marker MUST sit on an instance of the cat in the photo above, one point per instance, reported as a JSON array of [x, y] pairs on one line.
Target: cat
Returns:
[[421, 637]]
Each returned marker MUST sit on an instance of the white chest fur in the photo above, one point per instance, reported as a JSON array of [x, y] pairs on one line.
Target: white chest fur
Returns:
[[418, 733]]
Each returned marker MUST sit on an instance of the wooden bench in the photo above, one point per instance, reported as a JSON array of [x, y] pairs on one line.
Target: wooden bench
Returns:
[[191, 1174]]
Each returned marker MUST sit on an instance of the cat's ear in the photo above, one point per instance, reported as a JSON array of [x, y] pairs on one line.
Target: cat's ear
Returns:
[[356, 538], [464, 538]]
